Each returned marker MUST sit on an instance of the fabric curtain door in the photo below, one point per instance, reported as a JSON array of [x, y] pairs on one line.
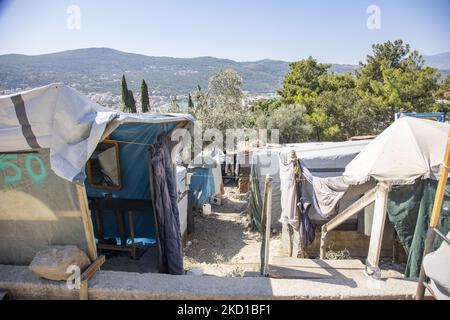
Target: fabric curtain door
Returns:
[[166, 209]]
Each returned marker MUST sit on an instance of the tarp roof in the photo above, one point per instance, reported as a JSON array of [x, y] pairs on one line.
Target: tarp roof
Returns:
[[65, 121], [408, 149]]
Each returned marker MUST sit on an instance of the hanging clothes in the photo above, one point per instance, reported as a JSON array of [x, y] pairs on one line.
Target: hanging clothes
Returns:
[[166, 209], [289, 197], [328, 192], [293, 205]]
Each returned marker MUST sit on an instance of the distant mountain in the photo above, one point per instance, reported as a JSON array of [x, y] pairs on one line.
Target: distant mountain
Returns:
[[100, 70], [439, 61]]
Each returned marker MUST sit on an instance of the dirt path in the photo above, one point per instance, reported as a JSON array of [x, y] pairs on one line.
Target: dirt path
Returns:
[[223, 244]]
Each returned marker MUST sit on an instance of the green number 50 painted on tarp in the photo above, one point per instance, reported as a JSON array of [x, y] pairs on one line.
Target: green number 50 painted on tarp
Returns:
[[4, 163], [38, 178]]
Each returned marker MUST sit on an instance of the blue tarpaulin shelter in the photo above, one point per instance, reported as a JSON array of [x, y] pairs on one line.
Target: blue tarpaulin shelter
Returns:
[[201, 187]]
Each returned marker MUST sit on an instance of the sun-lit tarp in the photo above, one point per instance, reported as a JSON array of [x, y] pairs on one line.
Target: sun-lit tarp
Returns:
[[408, 149], [63, 120], [323, 159]]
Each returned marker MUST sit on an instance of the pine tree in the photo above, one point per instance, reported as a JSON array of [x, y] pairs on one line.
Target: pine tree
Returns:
[[145, 102], [131, 102], [125, 103]]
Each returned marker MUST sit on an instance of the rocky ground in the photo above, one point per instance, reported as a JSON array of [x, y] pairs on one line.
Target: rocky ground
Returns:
[[223, 243]]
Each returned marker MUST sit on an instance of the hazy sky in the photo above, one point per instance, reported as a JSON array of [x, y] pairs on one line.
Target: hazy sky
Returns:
[[329, 30]]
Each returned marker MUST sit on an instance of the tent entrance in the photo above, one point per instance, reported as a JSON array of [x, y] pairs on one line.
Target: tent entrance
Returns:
[[114, 222]]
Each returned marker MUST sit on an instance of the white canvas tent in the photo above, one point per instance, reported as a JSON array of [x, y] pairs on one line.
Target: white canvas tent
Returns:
[[410, 148], [407, 150]]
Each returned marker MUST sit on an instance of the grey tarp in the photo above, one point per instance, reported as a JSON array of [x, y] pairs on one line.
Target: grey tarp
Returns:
[[166, 210]]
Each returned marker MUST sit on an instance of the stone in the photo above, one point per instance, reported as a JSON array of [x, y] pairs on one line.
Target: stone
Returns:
[[52, 262], [195, 272]]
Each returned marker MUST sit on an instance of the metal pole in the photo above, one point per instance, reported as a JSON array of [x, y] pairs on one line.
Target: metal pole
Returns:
[[434, 220], [268, 215]]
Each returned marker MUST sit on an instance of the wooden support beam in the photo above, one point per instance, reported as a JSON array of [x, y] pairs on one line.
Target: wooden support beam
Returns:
[[88, 274], [349, 212], [376, 236], [131, 224], [87, 222]]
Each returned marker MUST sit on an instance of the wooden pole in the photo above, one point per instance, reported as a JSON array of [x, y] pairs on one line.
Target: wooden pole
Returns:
[[268, 215], [376, 235], [434, 220], [263, 224]]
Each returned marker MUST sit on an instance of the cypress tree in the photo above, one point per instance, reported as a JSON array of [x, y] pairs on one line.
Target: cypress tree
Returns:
[[131, 102], [190, 102], [125, 104], [145, 101]]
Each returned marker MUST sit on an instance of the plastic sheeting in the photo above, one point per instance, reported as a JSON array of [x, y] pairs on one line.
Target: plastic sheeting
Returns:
[[323, 159], [68, 123], [409, 208], [55, 117], [201, 187]]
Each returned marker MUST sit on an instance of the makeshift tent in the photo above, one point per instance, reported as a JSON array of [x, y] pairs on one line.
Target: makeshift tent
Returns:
[[52, 132], [323, 159], [408, 149], [206, 178], [405, 157]]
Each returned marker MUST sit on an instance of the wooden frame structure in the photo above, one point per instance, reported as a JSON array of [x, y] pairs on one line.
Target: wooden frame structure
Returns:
[[379, 195]]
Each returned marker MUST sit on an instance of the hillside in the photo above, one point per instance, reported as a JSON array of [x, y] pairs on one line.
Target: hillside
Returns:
[[100, 69]]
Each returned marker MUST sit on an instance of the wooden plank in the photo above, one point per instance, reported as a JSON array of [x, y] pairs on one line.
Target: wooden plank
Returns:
[[376, 235], [104, 246], [121, 227], [87, 222], [88, 274], [353, 209], [99, 220], [93, 268], [131, 224], [350, 264]]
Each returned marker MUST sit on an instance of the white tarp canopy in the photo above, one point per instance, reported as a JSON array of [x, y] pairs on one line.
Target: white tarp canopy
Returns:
[[63, 120], [408, 149]]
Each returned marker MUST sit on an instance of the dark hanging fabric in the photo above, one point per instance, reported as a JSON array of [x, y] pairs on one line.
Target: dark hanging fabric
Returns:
[[306, 227], [166, 208]]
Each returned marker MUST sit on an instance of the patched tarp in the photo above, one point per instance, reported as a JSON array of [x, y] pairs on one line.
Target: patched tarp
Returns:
[[59, 118], [323, 159], [409, 209]]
